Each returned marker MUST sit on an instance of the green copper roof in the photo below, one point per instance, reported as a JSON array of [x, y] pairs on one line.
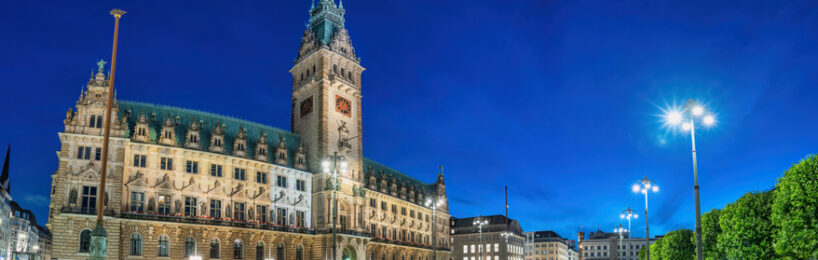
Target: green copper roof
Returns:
[[377, 169], [156, 115], [326, 19]]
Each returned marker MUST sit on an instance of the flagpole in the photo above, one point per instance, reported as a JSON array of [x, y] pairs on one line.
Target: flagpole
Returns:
[[99, 237]]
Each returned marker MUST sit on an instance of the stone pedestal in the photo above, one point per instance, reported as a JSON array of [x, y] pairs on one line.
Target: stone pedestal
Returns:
[[99, 243]]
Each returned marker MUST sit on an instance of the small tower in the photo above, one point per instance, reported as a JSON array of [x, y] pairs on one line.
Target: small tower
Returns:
[[87, 117], [168, 132], [141, 129], [281, 152], [300, 157]]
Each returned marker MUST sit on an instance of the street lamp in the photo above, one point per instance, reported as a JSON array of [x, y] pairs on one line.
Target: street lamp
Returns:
[[507, 234], [693, 110], [645, 186], [343, 167], [628, 214], [620, 229], [479, 222], [433, 203]]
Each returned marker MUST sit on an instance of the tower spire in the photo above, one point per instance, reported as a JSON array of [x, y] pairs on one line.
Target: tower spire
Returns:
[[4, 177]]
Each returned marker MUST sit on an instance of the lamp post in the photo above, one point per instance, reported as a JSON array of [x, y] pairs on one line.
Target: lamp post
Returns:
[[99, 237], [693, 110], [505, 235], [433, 203], [335, 186], [628, 214], [479, 222], [620, 229], [645, 186]]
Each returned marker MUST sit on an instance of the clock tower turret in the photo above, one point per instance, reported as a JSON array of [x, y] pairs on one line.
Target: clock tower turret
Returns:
[[327, 104]]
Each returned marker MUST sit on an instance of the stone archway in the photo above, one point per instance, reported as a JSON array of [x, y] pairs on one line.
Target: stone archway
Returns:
[[348, 253]]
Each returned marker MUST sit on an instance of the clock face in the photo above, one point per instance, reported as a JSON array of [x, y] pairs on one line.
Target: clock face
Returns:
[[306, 106], [343, 105]]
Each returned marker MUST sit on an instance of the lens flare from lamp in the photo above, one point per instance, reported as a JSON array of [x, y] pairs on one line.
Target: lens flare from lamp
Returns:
[[344, 164], [697, 110], [673, 117], [621, 215], [655, 188], [636, 188], [325, 165], [686, 126], [709, 120], [635, 216]]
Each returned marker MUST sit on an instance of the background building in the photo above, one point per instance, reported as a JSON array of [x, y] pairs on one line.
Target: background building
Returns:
[[548, 245], [602, 245], [5, 210], [466, 239], [184, 183]]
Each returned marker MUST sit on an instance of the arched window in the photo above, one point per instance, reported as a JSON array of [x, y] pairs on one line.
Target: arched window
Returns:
[[299, 252], [238, 252], [260, 250], [280, 251], [136, 244], [190, 246], [99, 121], [85, 240], [214, 248], [163, 246]]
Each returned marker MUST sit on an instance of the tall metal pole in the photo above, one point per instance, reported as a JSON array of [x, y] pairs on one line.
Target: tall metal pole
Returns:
[[99, 237], [334, 205], [647, 228], [699, 254]]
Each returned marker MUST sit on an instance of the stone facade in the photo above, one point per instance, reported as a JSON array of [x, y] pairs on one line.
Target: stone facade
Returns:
[[603, 245], [469, 243], [184, 183], [548, 245]]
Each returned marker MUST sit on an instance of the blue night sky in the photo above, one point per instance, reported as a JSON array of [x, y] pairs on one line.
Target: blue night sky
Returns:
[[559, 100]]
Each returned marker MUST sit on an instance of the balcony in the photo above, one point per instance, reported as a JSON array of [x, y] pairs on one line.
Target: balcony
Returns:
[[202, 220], [405, 243], [86, 211]]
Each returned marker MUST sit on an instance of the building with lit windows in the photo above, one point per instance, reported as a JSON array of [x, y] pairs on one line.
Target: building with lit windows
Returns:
[[5, 211], [184, 183], [602, 245], [467, 237], [548, 245]]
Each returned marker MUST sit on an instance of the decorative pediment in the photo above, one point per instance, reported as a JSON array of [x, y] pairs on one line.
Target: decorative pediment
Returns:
[[279, 196], [299, 199], [164, 183], [191, 186], [261, 195], [137, 179], [239, 192], [216, 189], [88, 174]]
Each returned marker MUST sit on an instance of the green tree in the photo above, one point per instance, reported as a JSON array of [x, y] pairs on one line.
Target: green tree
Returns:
[[710, 234], [656, 249], [795, 210], [642, 252], [747, 232], [677, 245]]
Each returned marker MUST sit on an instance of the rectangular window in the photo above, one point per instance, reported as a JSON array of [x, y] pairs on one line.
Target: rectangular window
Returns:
[[299, 218], [300, 185], [496, 247], [281, 181], [403, 211], [239, 174], [383, 205], [192, 167], [216, 170], [261, 177], [137, 201], [281, 216], [98, 154], [139, 160], [238, 211], [166, 164], [89, 199], [373, 203], [465, 249], [261, 210], [411, 213], [215, 208], [84, 153], [164, 204], [190, 206]]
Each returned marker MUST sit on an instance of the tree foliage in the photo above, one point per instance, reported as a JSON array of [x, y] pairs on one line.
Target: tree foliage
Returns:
[[795, 210], [656, 249], [642, 253], [747, 232], [710, 234], [677, 245]]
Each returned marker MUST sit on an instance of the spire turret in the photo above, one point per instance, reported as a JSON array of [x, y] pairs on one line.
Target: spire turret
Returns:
[[4, 177]]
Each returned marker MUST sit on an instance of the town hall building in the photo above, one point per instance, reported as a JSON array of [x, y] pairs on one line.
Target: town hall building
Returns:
[[187, 184]]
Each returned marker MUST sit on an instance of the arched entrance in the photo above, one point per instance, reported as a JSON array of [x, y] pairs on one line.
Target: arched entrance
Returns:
[[348, 254]]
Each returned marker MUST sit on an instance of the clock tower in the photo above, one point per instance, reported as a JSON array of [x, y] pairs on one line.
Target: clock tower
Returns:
[[327, 111]]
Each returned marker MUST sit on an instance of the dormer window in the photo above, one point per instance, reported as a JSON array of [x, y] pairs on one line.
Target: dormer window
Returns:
[[240, 147], [141, 131], [217, 142], [168, 134], [193, 138], [262, 151]]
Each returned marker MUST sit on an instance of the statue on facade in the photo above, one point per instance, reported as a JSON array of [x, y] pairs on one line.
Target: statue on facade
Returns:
[[72, 197], [101, 65], [178, 206]]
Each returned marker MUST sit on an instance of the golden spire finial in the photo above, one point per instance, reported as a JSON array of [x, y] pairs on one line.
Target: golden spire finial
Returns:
[[117, 13]]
